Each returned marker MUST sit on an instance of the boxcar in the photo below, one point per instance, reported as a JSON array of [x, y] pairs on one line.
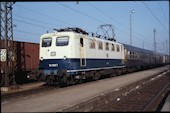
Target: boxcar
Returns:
[[26, 59]]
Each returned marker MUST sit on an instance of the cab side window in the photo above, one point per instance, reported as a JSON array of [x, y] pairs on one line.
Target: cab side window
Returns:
[[81, 42], [92, 44]]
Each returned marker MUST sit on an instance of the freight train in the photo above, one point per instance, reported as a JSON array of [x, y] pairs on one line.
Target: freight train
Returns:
[[71, 55], [25, 60]]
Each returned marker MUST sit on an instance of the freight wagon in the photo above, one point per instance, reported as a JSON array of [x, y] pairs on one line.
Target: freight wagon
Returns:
[[26, 59]]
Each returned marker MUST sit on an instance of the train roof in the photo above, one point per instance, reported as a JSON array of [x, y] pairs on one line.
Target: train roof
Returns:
[[3, 40], [133, 48], [129, 47], [81, 31]]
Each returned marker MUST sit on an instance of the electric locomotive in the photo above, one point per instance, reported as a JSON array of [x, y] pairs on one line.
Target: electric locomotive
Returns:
[[72, 55]]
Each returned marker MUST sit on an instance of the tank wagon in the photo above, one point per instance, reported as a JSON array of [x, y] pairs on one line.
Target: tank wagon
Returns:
[[72, 55], [26, 59]]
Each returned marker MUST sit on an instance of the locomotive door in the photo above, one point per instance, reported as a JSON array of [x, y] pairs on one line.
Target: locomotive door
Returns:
[[82, 52]]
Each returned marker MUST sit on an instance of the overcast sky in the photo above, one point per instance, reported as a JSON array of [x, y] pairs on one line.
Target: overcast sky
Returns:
[[32, 19]]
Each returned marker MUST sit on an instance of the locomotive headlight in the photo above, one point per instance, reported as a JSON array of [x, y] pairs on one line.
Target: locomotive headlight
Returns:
[[65, 58]]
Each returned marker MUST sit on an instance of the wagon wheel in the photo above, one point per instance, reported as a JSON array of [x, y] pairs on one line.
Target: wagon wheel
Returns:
[[39, 78], [2, 80]]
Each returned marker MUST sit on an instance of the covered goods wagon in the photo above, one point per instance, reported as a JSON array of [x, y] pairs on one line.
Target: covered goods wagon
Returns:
[[26, 59]]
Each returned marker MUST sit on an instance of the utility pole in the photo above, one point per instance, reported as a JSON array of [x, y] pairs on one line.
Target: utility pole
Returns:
[[166, 47], [143, 44], [77, 2], [154, 40], [8, 77], [0, 42], [133, 11]]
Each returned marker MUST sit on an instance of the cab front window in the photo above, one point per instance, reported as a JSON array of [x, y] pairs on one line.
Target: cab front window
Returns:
[[46, 42], [62, 41]]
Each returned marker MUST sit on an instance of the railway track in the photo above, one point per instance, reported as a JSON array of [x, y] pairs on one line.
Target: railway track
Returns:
[[146, 97], [76, 97], [24, 93]]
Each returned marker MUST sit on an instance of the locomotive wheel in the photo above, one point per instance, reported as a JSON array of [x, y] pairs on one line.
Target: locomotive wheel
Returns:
[[77, 80], [63, 82], [82, 81], [96, 76], [118, 72], [70, 80], [112, 75], [49, 81]]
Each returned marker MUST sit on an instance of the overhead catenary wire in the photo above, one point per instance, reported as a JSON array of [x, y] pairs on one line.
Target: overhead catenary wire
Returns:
[[47, 16], [40, 26], [44, 15], [81, 13], [27, 32], [40, 21], [88, 16], [65, 22], [154, 16], [115, 21], [105, 14], [163, 12], [91, 17]]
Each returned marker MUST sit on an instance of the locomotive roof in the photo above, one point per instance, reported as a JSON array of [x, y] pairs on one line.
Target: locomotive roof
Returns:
[[73, 29], [88, 35]]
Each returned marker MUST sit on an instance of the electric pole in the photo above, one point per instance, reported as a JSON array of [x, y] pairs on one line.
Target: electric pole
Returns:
[[6, 44], [132, 12], [166, 47], [154, 40]]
